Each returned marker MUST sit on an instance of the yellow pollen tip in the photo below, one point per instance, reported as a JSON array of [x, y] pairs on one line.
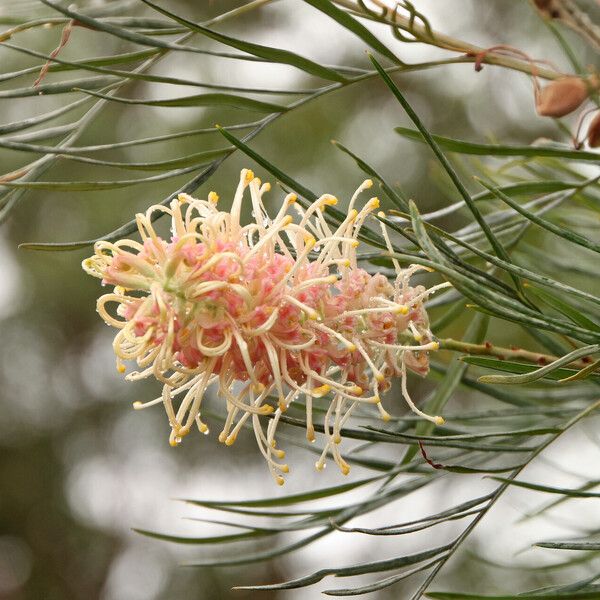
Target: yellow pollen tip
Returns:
[[249, 175], [310, 242], [353, 214], [368, 183], [374, 203], [213, 197], [345, 469], [267, 409], [402, 310], [330, 201], [282, 406], [379, 377], [321, 390], [222, 437], [285, 469], [267, 186], [173, 443], [337, 439], [418, 337], [258, 181], [356, 390], [439, 420], [435, 345], [280, 480], [386, 416], [287, 220], [121, 368], [258, 387], [137, 405], [429, 269], [346, 263], [279, 453], [332, 278], [182, 198], [355, 244], [319, 466], [381, 214], [230, 440], [352, 347], [203, 428], [292, 198]]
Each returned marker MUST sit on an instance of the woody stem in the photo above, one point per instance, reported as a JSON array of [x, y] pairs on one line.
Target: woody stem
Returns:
[[513, 353], [473, 53]]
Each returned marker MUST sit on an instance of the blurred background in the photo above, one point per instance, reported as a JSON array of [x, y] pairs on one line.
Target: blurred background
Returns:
[[78, 467]]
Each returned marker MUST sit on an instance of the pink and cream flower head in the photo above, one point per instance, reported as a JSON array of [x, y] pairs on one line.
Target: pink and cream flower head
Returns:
[[268, 312]]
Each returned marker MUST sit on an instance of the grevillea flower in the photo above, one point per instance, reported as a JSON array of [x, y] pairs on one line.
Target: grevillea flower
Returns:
[[267, 311]]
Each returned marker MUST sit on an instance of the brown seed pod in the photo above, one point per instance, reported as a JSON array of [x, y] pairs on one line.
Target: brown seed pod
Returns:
[[561, 97], [593, 134]]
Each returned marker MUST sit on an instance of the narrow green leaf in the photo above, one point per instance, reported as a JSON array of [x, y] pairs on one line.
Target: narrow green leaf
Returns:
[[216, 99], [391, 531], [155, 78], [442, 443], [588, 546], [137, 38], [398, 200], [73, 154], [566, 309], [217, 539], [517, 270], [43, 118], [280, 175], [276, 55], [17, 142], [196, 159], [441, 516], [533, 431], [63, 87], [291, 499], [129, 227], [359, 569], [496, 245], [562, 232], [382, 583], [543, 371], [513, 367], [463, 147], [571, 493], [287, 181], [355, 26], [583, 374], [93, 186], [62, 65], [43, 134], [490, 301]]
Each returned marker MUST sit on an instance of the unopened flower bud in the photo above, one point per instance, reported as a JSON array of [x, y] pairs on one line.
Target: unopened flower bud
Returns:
[[561, 97], [593, 135]]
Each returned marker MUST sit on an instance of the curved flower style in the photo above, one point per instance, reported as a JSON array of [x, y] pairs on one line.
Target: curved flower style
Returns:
[[274, 308]]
